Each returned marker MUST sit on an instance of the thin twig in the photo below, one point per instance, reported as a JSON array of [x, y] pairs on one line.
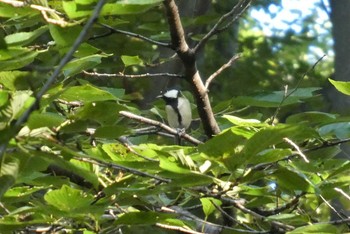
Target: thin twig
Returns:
[[296, 147], [342, 193], [133, 76], [221, 69], [235, 13], [43, 10], [244, 209], [122, 168], [177, 228], [161, 125], [332, 207], [326, 144], [124, 140], [135, 35], [24, 117], [233, 219], [287, 95]]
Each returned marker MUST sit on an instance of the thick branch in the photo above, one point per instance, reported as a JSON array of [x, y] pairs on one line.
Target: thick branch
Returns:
[[188, 58], [161, 125]]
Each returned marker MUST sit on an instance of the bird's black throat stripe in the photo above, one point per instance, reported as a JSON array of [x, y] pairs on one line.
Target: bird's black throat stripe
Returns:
[[173, 102]]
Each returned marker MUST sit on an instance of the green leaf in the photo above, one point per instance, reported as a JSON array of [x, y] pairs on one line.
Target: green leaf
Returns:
[[15, 58], [105, 113], [78, 65], [341, 86], [222, 144], [86, 93], [292, 181], [24, 38], [8, 11], [8, 175], [110, 132], [273, 135], [341, 130], [73, 10], [142, 218], [173, 166], [275, 98], [68, 199], [4, 97], [313, 117], [242, 122], [292, 219], [208, 206], [15, 80], [47, 119], [64, 37], [270, 155], [316, 228], [20, 101], [131, 60]]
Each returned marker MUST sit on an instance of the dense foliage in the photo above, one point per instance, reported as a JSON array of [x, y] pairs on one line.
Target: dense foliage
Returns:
[[76, 162]]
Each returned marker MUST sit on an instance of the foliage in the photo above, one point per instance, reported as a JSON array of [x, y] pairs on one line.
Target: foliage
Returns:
[[78, 165]]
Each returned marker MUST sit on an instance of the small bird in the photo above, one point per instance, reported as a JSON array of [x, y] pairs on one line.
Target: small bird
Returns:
[[178, 109]]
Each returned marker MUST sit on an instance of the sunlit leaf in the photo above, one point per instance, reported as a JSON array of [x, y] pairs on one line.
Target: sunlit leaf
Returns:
[[208, 205], [24, 38], [68, 199], [341, 86], [131, 60], [37, 120], [86, 93]]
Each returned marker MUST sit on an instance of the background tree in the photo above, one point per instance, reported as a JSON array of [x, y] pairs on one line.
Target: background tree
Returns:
[[81, 151]]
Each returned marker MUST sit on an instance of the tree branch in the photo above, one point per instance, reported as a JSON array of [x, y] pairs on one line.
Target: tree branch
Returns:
[[24, 117], [287, 95], [170, 75], [119, 167], [186, 54], [221, 69], [130, 34], [161, 125], [235, 13]]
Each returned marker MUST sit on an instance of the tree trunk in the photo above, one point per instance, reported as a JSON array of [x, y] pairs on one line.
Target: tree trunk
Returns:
[[340, 17]]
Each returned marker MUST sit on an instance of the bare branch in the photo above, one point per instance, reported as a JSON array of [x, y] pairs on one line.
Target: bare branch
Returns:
[[130, 34], [171, 75], [240, 206], [161, 125], [235, 13], [221, 69], [295, 89], [339, 190], [123, 168], [296, 147], [24, 117], [177, 228]]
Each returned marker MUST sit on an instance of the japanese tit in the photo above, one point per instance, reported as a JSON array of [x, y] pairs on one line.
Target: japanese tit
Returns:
[[177, 108]]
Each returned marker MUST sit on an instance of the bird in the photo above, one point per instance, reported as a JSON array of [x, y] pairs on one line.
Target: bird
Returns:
[[178, 109]]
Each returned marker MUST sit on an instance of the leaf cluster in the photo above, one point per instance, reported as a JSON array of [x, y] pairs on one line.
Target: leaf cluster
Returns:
[[78, 165]]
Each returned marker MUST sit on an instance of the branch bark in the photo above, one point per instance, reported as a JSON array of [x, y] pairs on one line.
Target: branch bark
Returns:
[[187, 55]]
